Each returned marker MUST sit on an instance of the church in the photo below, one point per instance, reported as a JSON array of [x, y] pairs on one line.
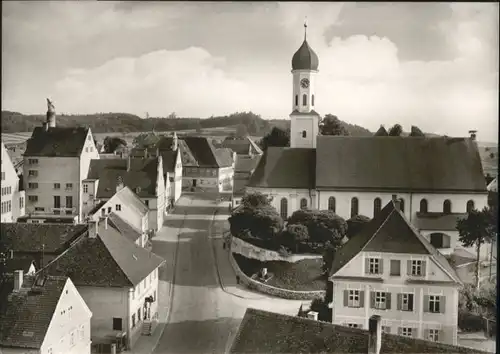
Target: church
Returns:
[[436, 179]]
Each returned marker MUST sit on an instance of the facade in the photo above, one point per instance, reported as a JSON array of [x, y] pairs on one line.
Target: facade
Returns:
[[117, 279], [43, 314], [56, 161], [390, 270], [13, 197]]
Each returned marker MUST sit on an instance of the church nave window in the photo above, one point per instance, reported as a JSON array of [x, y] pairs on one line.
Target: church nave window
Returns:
[[296, 100], [423, 206], [377, 206], [447, 206], [303, 203], [331, 204], [304, 100], [470, 206], [304, 133], [354, 207], [284, 208]]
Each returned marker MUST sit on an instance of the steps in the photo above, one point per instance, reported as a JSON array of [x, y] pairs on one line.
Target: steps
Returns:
[[146, 328]]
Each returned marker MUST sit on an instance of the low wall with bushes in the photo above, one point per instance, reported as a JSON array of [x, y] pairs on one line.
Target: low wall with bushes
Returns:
[[271, 290], [251, 251]]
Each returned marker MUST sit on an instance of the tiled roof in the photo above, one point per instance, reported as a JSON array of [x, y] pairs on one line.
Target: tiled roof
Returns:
[[399, 163], [246, 164], [224, 157], [461, 256], [282, 167], [169, 160], [390, 232], [143, 173], [57, 141], [14, 264], [187, 157], [267, 332], [123, 227], [242, 146], [203, 151], [438, 221], [107, 260], [25, 316], [24, 237]]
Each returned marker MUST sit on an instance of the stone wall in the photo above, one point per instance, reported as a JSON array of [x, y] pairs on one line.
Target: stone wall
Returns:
[[251, 251], [271, 290]]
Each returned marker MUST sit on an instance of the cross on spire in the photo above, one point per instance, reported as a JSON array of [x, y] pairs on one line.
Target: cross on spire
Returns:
[[305, 28]]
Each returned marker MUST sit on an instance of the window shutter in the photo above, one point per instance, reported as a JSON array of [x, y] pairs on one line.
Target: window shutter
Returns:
[[346, 297], [423, 267], [367, 266], [399, 301], [381, 267], [361, 299], [388, 301], [426, 303], [442, 304], [408, 267], [372, 299]]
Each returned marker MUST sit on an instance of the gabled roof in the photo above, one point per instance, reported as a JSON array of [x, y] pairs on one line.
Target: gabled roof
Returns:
[[390, 232], [108, 260], [187, 157], [57, 141], [24, 237], [224, 157], [399, 163], [246, 164], [123, 227], [267, 332], [169, 160], [203, 151], [242, 146], [283, 167], [25, 316], [438, 221]]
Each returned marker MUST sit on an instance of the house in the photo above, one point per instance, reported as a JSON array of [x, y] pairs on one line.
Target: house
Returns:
[[40, 243], [13, 202], [243, 170], [67, 151], [357, 175], [390, 269], [143, 176], [243, 146], [117, 279], [127, 211], [267, 332], [42, 314]]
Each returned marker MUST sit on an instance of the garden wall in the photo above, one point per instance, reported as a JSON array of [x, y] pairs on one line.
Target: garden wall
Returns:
[[251, 251], [271, 290]]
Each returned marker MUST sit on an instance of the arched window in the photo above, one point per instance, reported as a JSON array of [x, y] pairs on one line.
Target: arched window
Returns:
[[470, 206], [423, 206], [447, 206], [354, 207], [284, 208], [304, 99], [331, 204], [296, 100], [304, 133], [377, 206], [402, 205], [303, 203], [312, 100]]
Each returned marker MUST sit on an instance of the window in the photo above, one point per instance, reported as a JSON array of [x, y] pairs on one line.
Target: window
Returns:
[[57, 185], [85, 188], [57, 201], [69, 186], [144, 283], [379, 300], [304, 100], [284, 208], [304, 134], [470, 206], [395, 267], [171, 179], [118, 207], [433, 335], [49, 351], [423, 206], [417, 268], [386, 329], [303, 203], [109, 210], [402, 205], [21, 203], [331, 204], [354, 298], [373, 265], [353, 325], [82, 331], [32, 185], [139, 314], [447, 206], [406, 331], [117, 324], [377, 206], [312, 100], [405, 302], [440, 240], [133, 320], [146, 202], [32, 161], [434, 303], [33, 198], [354, 207], [72, 339], [3, 176], [69, 202], [296, 100], [32, 173]]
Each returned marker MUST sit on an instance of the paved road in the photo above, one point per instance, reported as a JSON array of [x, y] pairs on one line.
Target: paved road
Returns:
[[203, 317]]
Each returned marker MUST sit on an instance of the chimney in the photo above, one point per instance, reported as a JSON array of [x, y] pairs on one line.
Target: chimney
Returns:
[[51, 114], [128, 163], [473, 134], [92, 228], [374, 334], [18, 280], [119, 183], [312, 315]]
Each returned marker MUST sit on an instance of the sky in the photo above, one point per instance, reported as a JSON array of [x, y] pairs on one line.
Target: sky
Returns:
[[433, 65]]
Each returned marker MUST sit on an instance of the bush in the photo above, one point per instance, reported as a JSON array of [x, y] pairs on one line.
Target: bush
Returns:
[[263, 222], [469, 322], [320, 306], [323, 225]]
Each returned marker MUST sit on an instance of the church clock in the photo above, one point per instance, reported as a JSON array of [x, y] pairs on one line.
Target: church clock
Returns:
[[304, 83]]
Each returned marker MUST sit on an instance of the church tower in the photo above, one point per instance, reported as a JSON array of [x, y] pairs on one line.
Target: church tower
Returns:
[[304, 119]]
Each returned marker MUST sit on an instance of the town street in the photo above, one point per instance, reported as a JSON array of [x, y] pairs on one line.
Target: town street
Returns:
[[203, 316]]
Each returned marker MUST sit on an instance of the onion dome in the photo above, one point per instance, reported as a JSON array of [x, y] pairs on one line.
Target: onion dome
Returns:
[[305, 58]]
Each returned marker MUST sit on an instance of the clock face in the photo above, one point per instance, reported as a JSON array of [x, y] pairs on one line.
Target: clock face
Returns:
[[304, 83]]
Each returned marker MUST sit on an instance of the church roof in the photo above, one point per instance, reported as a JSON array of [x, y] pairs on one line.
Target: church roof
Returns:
[[283, 167], [305, 58], [398, 164]]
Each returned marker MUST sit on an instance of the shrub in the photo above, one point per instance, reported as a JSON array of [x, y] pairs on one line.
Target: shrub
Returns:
[[323, 225]]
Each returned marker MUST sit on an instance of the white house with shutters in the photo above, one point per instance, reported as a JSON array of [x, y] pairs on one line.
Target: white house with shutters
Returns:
[[390, 269]]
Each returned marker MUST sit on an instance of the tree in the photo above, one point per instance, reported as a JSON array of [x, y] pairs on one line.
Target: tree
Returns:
[[146, 140], [241, 131], [331, 125], [356, 224], [172, 116], [396, 130], [381, 131], [255, 200], [111, 144], [324, 226], [415, 131], [277, 137], [476, 229], [293, 235]]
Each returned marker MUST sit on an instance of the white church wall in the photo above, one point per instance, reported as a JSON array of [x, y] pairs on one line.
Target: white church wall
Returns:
[[458, 201], [293, 197]]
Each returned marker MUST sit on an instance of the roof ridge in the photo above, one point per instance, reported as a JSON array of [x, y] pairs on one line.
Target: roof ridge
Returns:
[[114, 259], [125, 221], [376, 232]]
